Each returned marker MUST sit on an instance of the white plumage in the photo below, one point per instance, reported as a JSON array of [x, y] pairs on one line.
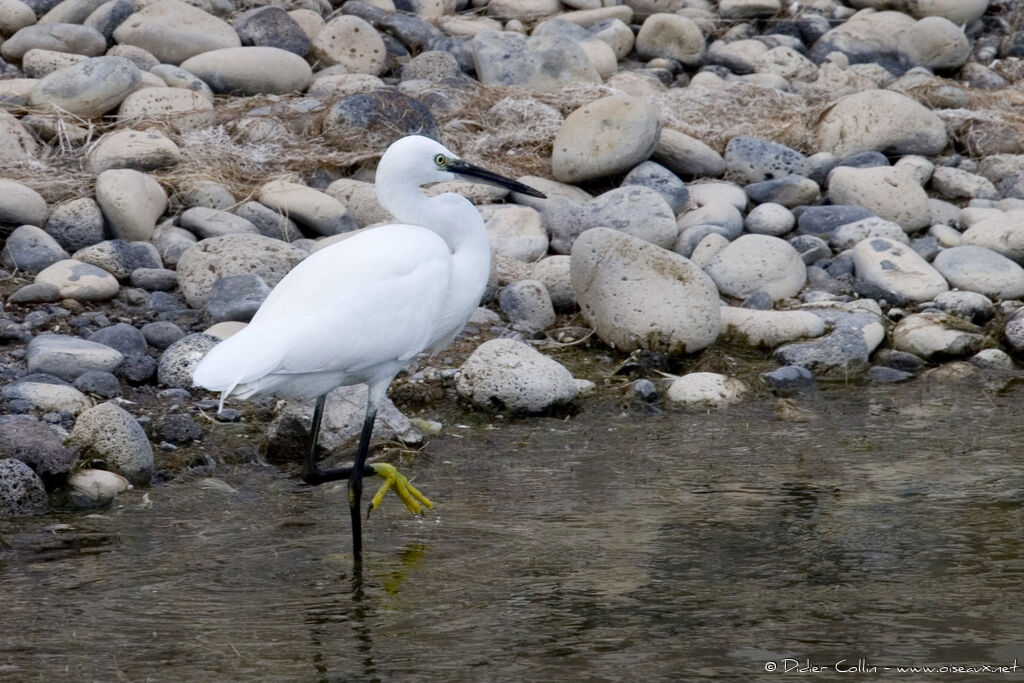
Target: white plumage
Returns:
[[357, 311]]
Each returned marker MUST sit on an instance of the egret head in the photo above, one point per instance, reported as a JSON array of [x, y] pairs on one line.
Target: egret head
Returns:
[[420, 160]]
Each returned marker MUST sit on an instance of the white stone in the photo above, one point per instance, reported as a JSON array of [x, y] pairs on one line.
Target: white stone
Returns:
[[688, 157], [360, 198], [251, 70], [79, 281], [307, 206], [754, 263], [173, 31], [504, 374], [516, 231], [48, 398], [703, 390], [180, 108], [639, 296], [768, 329], [960, 12], [936, 43], [351, 42], [21, 205], [111, 434], [14, 15], [956, 183], [897, 268], [609, 135], [89, 488], [131, 203], [847, 236], [880, 120], [555, 274], [672, 36], [936, 335], [889, 192], [142, 150], [88, 88], [211, 259], [769, 219], [977, 269], [708, 248], [1002, 233]]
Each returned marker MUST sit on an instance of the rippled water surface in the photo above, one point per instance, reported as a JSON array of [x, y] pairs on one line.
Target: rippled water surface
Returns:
[[610, 546]]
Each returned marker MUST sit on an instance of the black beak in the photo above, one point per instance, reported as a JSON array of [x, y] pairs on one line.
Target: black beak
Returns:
[[483, 175]]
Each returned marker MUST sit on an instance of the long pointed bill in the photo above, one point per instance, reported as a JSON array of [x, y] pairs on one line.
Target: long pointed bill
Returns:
[[471, 172]]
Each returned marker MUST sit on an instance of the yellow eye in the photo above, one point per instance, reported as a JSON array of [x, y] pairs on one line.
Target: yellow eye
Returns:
[[440, 160]]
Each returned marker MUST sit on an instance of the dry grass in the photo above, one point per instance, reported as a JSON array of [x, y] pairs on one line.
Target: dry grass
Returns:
[[506, 129]]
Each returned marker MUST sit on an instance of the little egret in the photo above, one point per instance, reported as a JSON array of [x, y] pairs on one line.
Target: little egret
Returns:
[[358, 311]]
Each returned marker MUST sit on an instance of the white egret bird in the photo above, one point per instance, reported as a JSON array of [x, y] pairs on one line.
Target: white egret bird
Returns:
[[357, 311]]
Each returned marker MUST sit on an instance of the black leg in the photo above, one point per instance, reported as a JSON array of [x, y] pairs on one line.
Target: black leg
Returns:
[[355, 484], [311, 472]]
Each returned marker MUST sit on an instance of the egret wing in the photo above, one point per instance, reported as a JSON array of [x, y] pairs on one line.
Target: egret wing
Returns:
[[371, 299]]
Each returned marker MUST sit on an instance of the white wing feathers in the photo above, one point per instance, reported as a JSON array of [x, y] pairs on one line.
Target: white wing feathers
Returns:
[[372, 299]]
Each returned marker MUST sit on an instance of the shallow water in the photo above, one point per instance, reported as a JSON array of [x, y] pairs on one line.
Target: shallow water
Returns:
[[604, 547]]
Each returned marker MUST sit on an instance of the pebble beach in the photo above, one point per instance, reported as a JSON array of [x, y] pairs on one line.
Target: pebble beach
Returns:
[[834, 187]]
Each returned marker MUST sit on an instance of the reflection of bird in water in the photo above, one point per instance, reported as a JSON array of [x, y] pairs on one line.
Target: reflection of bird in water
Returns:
[[357, 311]]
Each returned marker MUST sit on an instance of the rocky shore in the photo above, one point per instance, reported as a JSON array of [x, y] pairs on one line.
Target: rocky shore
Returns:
[[835, 186]]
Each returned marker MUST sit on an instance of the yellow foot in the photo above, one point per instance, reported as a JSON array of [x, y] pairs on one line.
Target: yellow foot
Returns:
[[403, 489]]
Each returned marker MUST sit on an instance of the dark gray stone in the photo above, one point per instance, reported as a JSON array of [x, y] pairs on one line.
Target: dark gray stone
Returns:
[[790, 191], [415, 33], [841, 354], [109, 16], [869, 159], [1013, 333], [972, 306], [663, 181], [30, 249], [899, 360], [121, 257], [68, 357], [754, 160], [644, 390], [123, 337], [822, 220], [205, 222], [237, 297], [137, 369], [811, 249], [21, 490], [161, 334], [97, 383], [880, 374], [383, 116], [36, 293], [759, 301], [691, 237], [154, 279], [789, 379], [27, 439], [269, 222], [272, 27], [432, 65], [176, 428], [635, 210], [163, 302], [859, 51]]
